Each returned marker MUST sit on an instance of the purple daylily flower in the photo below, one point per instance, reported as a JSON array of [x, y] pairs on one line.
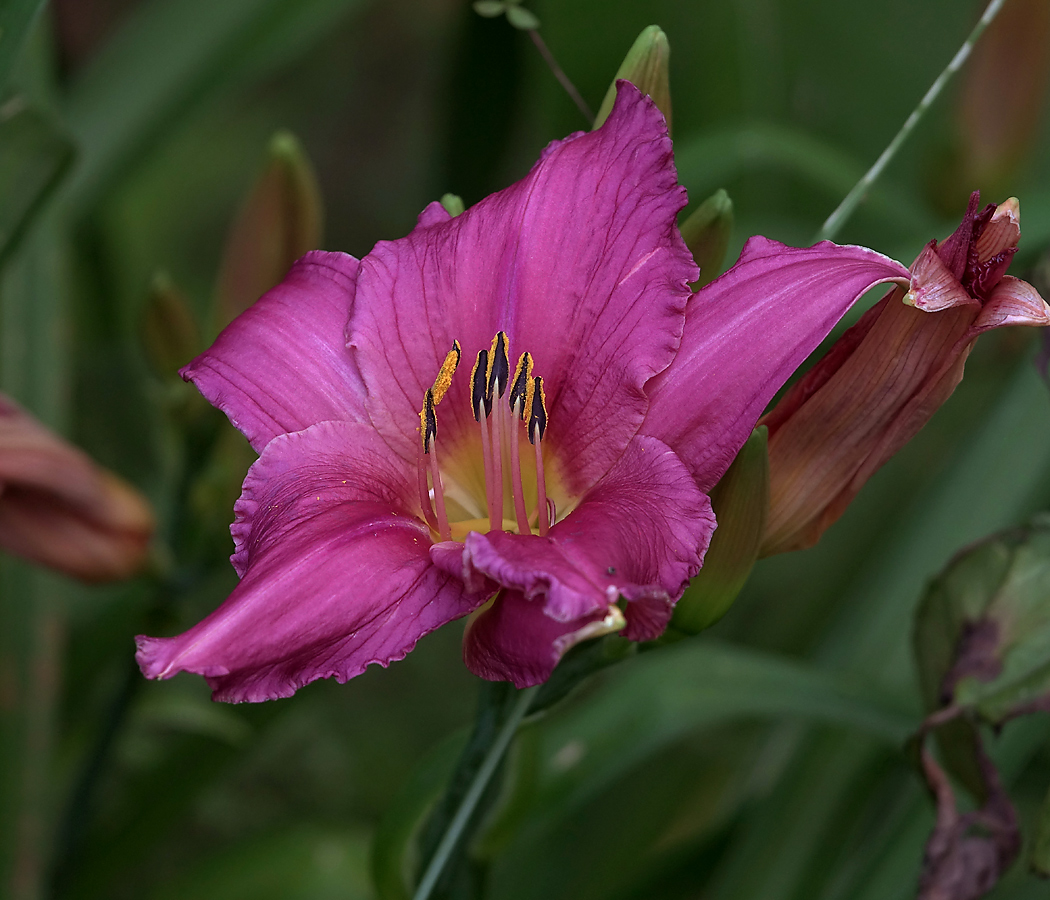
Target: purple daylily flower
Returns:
[[514, 413]]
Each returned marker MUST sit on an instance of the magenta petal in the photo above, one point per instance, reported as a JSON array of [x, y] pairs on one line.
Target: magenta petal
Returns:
[[580, 263], [640, 533], [282, 366], [512, 640], [336, 574], [744, 335]]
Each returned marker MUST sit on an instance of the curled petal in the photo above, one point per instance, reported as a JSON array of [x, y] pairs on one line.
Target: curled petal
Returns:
[[282, 366], [580, 264], [511, 639], [1002, 233], [933, 288], [336, 575], [1013, 302], [60, 510], [745, 333]]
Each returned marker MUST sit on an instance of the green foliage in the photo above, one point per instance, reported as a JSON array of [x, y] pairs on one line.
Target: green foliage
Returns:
[[762, 760], [34, 155]]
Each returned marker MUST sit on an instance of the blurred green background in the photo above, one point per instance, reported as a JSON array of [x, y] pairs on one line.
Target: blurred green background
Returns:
[[761, 762]]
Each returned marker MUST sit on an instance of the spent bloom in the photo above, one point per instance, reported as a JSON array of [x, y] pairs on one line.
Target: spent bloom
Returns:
[[61, 510], [514, 413], [884, 378]]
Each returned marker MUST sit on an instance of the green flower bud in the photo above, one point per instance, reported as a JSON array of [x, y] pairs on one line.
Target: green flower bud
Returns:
[[706, 233], [279, 221], [740, 501], [168, 329], [453, 204], [645, 66]]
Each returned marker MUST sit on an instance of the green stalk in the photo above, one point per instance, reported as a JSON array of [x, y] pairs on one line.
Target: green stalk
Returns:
[[470, 800], [849, 204]]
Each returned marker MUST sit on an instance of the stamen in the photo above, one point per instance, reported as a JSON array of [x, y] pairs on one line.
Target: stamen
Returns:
[[496, 506], [439, 496], [518, 392], [444, 376], [428, 420], [480, 398], [538, 425], [424, 492], [519, 387], [499, 365], [537, 411], [481, 404]]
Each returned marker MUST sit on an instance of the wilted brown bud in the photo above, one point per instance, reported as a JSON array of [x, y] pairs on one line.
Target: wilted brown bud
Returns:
[[881, 382], [60, 510]]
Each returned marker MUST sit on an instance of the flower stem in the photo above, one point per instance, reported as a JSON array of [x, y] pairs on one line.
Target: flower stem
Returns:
[[473, 795], [847, 207], [552, 63]]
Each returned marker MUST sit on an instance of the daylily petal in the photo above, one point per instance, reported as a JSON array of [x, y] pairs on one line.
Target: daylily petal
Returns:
[[511, 639], [745, 333], [282, 366], [580, 263], [933, 287], [336, 575], [640, 533], [1013, 302]]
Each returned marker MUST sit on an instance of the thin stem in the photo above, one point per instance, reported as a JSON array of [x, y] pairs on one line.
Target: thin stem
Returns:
[[847, 207], [552, 64], [473, 795]]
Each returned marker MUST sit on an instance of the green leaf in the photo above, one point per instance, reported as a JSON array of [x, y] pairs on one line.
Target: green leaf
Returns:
[[170, 55], [395, 856], [741, 503], [16, 21], [650, 702], [522, 19], [983, 629], [706, 233], [34, 155], [297, 863], [1040, 855], [705, 163]]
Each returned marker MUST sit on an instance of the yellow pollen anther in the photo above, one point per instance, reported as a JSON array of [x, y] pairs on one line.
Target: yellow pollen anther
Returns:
[[497, 371], [444, 376], [520, 385], [537, 411], [427, 420]]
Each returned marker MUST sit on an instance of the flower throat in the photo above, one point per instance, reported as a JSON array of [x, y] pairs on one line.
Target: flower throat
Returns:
[[500, 424]]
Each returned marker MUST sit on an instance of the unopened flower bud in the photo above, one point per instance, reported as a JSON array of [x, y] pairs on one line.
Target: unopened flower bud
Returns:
[[279, 221], [740, 501], [706, 233], [60, 510], [888, 374], [645, 66], [168, 329], [453, 204]]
